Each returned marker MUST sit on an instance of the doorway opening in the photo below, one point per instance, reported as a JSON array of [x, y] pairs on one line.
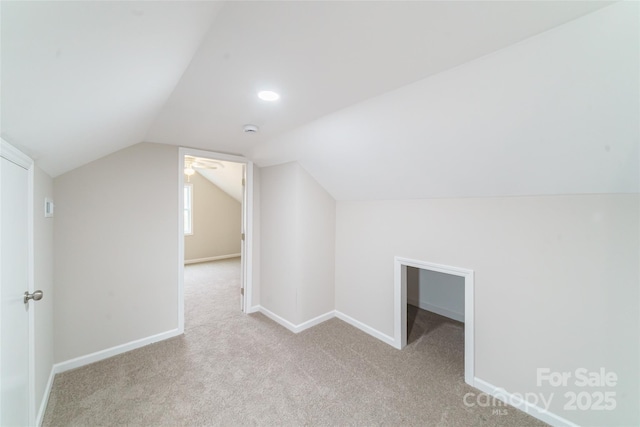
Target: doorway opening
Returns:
[[408, 271], [215, 217], [434, 300]]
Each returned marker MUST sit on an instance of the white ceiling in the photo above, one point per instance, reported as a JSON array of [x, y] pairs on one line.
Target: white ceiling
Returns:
[[324, 56], [83, 79]]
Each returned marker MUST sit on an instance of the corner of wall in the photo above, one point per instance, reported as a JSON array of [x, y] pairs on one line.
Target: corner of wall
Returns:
[[297, 223]]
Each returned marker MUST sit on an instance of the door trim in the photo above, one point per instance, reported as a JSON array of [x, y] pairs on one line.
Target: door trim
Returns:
[[400, 307], [247, 247], [14, 155]]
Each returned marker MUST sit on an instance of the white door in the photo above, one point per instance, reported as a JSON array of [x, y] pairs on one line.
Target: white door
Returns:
[[14, 281]]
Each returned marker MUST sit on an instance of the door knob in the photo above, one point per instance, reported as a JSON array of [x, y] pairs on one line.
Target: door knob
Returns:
[[36, 296]]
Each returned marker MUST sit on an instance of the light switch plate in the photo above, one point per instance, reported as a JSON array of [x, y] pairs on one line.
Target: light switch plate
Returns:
[[48, 208]]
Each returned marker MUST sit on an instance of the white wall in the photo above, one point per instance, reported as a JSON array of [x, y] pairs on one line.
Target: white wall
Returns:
[[217, 219], [297, 251], [316, 248], [43, 280], [556, 281], [116, 250], [438, 292], [278, 251]]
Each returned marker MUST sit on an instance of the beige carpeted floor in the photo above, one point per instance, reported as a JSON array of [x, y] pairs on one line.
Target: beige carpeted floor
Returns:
[[235, 369]]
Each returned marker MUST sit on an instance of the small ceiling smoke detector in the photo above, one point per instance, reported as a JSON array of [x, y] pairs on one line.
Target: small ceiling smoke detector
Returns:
[[267, 95], [250, 129]]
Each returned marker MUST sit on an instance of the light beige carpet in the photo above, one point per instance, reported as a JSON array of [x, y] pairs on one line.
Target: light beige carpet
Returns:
[[235, 369]]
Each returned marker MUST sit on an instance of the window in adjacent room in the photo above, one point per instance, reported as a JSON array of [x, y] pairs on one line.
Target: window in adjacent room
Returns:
[[188, 209]]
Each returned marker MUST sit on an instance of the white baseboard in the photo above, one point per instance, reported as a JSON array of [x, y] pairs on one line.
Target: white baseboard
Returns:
[[436, 309], [322, 318], [290, 326], [212, 258], [519, 403], [316, 321], [499, 393], [254, 309], [45, 397], [281, 321], [366, 328], [113, 351], [96, 357]]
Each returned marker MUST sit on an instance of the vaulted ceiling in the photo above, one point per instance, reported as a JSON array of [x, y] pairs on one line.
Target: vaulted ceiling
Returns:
[[83, 79]]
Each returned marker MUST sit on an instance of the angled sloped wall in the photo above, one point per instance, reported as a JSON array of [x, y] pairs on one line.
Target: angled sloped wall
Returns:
[[553, 114], [298, 250]]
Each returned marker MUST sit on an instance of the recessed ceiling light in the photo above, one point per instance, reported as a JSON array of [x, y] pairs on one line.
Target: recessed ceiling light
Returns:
[[267, 95]]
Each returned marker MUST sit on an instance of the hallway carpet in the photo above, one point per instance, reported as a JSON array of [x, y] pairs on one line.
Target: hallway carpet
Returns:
[[234, 369]]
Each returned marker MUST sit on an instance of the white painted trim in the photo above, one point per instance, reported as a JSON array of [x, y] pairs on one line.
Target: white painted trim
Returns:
[[518, 403], [211, 258], [315, 321], [365, 328], [190, 185], [400, 307], [254, 309], [45, 397], [283, 322], [180, 290], [96, 357], [31, 286], [436, 309], [247, 245], [14, 155], [243, 226], [214, 155], [113, 351], [290, 326], [323, 318]]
